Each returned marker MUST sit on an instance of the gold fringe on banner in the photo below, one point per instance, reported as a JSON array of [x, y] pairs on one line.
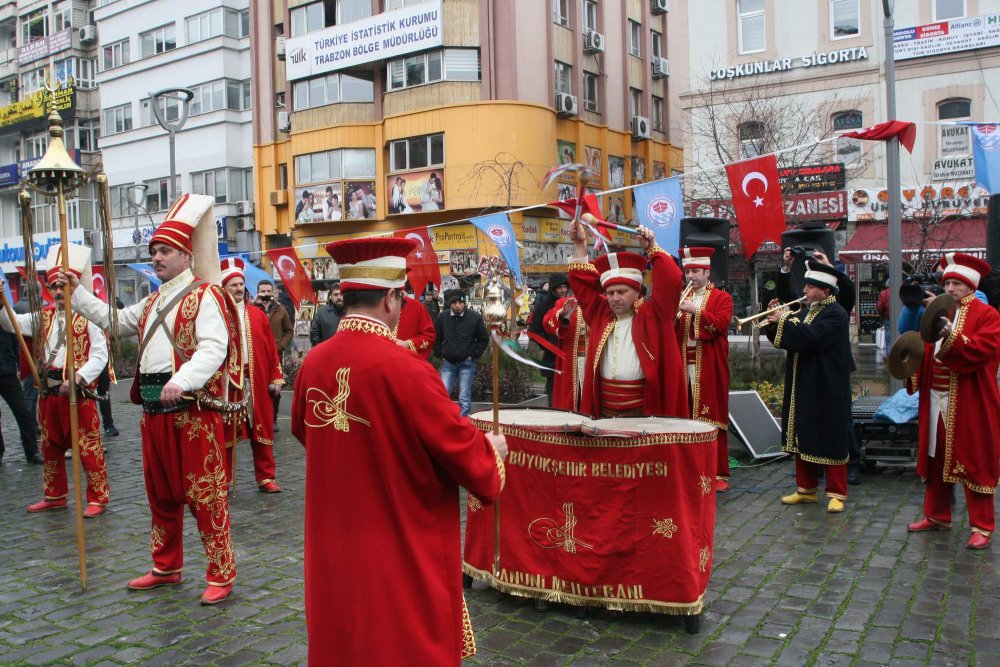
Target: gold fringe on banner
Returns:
[[614, 604], [32, 290]]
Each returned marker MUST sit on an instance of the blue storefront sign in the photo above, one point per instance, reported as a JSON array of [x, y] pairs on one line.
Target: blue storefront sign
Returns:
[[8, 175]]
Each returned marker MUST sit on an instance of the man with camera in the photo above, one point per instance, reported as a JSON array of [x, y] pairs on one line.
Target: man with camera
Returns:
[[959, 406]]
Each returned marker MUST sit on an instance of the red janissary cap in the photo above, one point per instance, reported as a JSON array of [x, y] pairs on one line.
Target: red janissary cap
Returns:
[[371, 263], [621, 268], [960, 266], [697, 257], [232, 267]]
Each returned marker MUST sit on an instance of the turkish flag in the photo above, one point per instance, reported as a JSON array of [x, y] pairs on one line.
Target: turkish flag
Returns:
[[295, 278], [906, 131], [46, 297], [590, 205], [421, 264], [760, 212], [100, 286]]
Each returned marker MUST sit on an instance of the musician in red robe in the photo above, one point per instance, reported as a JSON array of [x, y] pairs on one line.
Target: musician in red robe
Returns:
[[386, 452], [415, 330], [262, 372], [702, 329], [959, 406], [565, 322], [633, 363]]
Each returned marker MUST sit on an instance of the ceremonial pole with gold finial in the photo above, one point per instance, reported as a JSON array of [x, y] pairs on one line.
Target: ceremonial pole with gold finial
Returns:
[[494, 313], [57, 175]]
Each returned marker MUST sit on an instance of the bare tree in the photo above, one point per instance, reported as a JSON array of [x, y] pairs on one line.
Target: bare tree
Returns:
[[734, 120], [500, 177]]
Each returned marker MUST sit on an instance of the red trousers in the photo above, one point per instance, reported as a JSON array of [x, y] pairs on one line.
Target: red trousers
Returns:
[[263, 462], [722, 465], [263, 455], [939, 496], [53, 418], [183, 463], [807, 478]]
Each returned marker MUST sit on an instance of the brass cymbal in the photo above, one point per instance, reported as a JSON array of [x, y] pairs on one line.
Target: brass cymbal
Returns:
[[930, 323], [906, 355]]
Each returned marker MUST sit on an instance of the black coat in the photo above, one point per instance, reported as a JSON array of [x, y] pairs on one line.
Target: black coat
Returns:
[[460, 337], [324, 324], [544, 302], [816, 414]]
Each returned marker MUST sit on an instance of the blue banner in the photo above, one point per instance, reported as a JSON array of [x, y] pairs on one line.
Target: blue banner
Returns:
[[8, 175], [146, 271], [660, 206], [497, 228], [986, 156]]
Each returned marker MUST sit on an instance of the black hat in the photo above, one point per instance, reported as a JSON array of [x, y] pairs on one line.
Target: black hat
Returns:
[[822, 275], [557, 279], [453, 295]]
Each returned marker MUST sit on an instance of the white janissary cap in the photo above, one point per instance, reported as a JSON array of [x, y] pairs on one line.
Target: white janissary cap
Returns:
[[232, 267], [79, 263]]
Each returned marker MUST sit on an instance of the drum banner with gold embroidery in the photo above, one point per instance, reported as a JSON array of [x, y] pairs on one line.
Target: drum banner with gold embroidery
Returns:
[[622, 519]]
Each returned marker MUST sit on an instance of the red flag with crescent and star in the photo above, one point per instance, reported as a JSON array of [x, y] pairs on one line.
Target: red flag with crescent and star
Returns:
[[760, 211], [421, 264], [295, 278], [100, 285]]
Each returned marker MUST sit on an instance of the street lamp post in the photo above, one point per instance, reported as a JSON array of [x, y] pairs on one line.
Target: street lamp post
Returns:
[[183, 97], [893, 185], [136, 196]]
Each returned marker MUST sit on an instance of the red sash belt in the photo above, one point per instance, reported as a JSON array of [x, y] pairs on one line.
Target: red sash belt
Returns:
[[941, 380], [692, 355], [621, 398]]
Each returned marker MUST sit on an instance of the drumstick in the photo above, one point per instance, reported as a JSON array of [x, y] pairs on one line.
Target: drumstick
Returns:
[[496, 431]]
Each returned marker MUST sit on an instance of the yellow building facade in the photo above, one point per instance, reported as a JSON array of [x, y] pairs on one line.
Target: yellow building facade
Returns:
[[432, 149]]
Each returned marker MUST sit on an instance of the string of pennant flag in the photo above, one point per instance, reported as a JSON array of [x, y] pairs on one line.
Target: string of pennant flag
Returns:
[[756, 201]]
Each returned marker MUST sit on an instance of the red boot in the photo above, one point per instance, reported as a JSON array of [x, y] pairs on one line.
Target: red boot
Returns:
[[926, 524], [92, 511], [978, 541], [152, 580], [46, 505], [216, 594]]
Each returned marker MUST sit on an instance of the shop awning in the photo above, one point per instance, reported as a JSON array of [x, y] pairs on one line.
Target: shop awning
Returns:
[[870, 242]]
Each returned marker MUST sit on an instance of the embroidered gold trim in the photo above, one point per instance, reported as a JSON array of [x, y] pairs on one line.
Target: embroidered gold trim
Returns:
[[614, 604], [665, 527], [582, 266], [353, 272], [963, 312], [587, 441], [362, 325], [822, 460], [468, 638], [703, 556]]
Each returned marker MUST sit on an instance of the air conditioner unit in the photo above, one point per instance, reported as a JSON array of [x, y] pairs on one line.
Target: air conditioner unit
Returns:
[[661, 68], [284, 121], [566, 105], [88, 33], [278, 197], [593, 42], [244, 207], [659, 6], [640, 127], [279, 47], [244, 224]]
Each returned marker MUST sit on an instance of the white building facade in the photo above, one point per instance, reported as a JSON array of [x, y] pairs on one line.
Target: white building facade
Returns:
[[146, 46], [767, 76]]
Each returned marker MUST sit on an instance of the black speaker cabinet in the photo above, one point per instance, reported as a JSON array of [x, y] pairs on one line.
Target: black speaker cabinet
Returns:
[[807, 238], [714, 233]]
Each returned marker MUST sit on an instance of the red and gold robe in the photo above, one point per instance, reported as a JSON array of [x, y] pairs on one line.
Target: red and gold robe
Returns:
[[709, 392], [971, 354], [655, 344], [415, 327], [572, 340], [264, 367], [383, 560]]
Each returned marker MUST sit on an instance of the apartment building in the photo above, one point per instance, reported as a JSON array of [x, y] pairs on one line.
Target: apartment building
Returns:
[[378, 115]]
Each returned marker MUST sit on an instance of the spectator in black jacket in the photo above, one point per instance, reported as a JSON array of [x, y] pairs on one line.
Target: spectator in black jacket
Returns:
[[327, 318], [10, 390], [544, 302], [461, 339]]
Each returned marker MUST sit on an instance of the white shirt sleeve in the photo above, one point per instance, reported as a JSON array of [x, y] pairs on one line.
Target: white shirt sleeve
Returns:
[[212, 339], [96, 311], [98, 358], [23, 321]]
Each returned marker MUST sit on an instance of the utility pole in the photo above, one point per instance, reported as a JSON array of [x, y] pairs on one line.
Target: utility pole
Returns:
[[894, 187]]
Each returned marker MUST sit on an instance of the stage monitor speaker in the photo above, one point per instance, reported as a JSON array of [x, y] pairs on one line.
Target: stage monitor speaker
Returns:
[[819, 237], [754, 424], [714, 233]]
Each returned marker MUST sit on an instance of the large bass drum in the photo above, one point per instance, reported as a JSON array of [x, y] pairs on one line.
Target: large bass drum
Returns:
[[538, 420]]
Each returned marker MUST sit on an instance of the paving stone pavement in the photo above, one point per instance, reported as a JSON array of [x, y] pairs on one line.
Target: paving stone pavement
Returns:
[[790, 585]]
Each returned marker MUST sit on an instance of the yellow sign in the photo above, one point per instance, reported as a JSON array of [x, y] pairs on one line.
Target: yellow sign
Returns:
[[551, 231], [453, 237], [33, 106]]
